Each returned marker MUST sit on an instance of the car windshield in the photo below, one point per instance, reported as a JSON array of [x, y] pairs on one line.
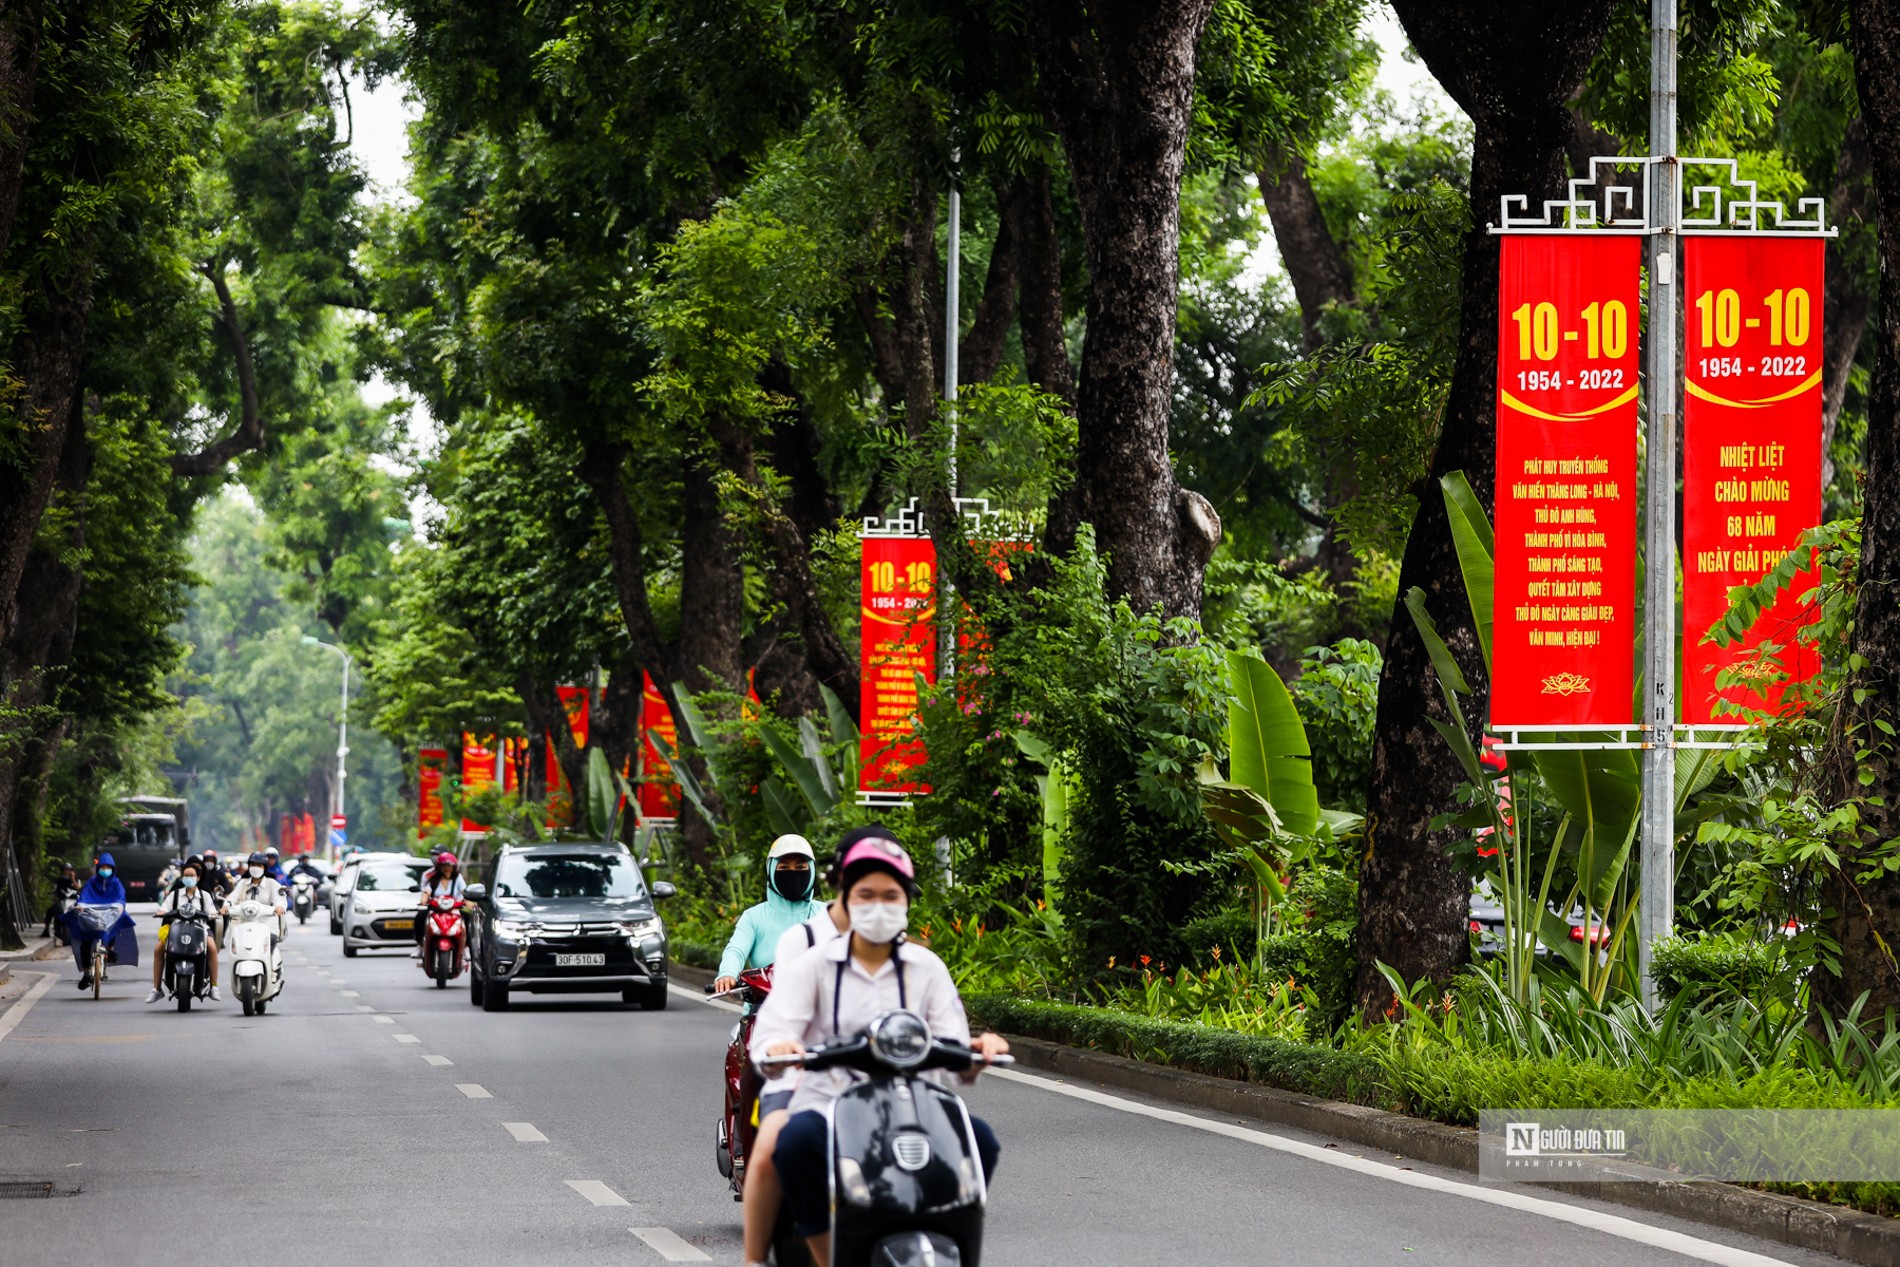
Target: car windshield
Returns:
[[372, 879], [568, 875]]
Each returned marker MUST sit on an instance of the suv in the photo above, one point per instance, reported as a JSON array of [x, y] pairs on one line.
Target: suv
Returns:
[[562, 919]]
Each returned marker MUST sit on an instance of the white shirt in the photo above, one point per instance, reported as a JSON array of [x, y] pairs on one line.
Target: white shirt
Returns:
[[187, 903], [802, 1004], [799, 938], [266, 890]]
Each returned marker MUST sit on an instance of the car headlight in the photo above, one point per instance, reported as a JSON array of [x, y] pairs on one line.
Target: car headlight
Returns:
[[508, 930], [359, 907], [900, 1039], [640, 929]]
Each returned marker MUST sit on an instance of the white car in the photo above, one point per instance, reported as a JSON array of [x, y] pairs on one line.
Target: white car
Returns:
[[379, 911]]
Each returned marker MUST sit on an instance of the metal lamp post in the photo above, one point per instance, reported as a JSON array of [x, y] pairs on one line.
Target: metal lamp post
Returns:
[[342, 729]]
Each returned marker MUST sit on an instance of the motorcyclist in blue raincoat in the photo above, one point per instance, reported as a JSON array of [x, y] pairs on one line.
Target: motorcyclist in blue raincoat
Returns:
[[103, 890]]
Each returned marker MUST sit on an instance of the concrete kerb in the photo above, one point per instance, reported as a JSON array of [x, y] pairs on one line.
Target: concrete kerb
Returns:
[[1850, 1234], [1867, 1239], [36, 948]]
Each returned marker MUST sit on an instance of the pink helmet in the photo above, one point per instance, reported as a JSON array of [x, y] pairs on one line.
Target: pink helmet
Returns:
[[876, 853], [445, 859]]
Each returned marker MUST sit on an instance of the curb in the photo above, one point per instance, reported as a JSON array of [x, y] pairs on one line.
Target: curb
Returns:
[[36, 949], [1867, 1239], [686, 974]]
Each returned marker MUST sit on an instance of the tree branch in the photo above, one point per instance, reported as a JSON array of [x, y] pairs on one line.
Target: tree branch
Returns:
[[250, 432]]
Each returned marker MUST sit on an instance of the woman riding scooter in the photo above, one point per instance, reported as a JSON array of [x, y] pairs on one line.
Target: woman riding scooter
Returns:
[[837, 990], [444, 880], [190, 900]]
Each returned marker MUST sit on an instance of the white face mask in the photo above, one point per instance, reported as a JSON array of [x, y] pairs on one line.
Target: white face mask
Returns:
[[879, 922], [257, 873]]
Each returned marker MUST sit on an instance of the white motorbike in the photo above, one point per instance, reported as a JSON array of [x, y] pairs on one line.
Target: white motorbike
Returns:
[[257, 964], [303, 896]]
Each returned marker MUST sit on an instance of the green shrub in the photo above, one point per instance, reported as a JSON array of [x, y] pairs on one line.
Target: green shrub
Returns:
[[1725, 966], [1275, 1062]]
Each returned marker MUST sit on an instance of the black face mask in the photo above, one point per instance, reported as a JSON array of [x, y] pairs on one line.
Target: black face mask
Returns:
[[793, 886]]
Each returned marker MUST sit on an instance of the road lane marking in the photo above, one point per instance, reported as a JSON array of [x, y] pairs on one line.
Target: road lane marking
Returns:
[[596, 1191], [351, 994], [440, 1062], [1596, 1220], [364, 1007], [405, 1038], [384, 1020], [473, 1090], [18, 1011], [698, 996], [670, 1245], [524, 1133]]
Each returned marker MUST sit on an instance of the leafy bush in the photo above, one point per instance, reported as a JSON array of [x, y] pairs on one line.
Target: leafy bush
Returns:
[[1725, 966], [1275, 1062], [1338, 695]]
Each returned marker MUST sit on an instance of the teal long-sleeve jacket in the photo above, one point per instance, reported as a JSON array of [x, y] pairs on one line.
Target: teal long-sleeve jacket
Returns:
[[755, 939]]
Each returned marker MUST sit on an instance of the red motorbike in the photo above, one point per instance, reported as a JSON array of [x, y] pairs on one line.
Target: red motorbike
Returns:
[[739, 1121], [442, 940]]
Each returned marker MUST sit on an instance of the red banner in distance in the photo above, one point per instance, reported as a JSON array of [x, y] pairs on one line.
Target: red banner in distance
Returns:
[[1751, 459], [1564, 609], [429, 763], [479, 767], [899, 642], [659, 790]]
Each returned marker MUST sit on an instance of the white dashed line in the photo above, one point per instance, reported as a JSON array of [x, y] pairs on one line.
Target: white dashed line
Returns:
[[473, 1090], [596, 1191], [524, 1133], [384, 1020], [352, 994], [440, 1062], [18, 1011], [670, 1245], [405, 1038], [364, 1007]]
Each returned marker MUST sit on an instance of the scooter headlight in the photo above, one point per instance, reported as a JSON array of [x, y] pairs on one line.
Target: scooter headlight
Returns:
[[900, 1039]]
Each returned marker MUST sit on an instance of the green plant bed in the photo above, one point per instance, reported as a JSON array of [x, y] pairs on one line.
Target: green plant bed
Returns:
[[1274, 1062], [693, 953], [1725, 966]]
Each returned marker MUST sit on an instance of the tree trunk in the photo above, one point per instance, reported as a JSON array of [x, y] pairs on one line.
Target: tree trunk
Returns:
[[46, 359], [1866, 922], [21, 30], [1848, 302], [1118, 78], [1039, 312], [1319, 269], [1512, 67], [712, 590]]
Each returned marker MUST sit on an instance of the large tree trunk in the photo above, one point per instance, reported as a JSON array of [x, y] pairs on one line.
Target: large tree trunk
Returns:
[[33, 657], [46, 360], [712, 589], [1849, 301], [1039, 310], [1118, 79], [22, 28], [1867, 913], [1512, 67]]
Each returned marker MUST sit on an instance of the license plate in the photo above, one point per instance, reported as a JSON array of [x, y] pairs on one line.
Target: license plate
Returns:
[[579, 961], [399, 923]]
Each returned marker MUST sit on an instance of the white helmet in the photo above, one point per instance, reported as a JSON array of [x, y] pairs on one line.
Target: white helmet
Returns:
[[791, 843]]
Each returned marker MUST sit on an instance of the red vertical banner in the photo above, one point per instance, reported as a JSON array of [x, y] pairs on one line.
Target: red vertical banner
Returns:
[[479, 768], [1751, 458], [1564, 607], [659, 790], [899, 642], [429, 763], [574, 702]]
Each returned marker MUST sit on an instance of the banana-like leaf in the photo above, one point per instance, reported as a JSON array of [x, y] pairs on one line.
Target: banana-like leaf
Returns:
[[1471, 535], [699, 731], [803, 774], [1603, 794], [603, 797], [814, 749], [683, 775], [781, 807], [843, 729], [1267, 748]]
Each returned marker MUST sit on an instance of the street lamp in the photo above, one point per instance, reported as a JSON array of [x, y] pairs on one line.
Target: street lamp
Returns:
[[337, 813]]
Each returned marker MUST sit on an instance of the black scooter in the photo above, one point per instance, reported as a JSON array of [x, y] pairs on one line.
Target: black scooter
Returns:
[[907, 1183], [187, 953]]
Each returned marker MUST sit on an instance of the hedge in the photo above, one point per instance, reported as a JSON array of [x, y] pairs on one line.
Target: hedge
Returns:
[[1274, 1062]]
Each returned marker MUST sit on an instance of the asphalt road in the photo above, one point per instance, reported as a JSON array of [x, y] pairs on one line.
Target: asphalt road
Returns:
[[371, 1118]]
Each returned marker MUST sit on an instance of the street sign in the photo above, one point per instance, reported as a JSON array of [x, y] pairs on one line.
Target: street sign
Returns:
[[1751, 460], [1564, 606]]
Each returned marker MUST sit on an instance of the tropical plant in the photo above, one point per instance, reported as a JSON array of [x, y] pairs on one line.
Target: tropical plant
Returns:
[[1267, 810]]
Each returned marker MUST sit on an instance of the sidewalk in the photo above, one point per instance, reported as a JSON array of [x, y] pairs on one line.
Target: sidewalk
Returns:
[[37, 948]]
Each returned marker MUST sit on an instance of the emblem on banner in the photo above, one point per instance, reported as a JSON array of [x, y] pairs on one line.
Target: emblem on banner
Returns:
[[1566, 684]]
